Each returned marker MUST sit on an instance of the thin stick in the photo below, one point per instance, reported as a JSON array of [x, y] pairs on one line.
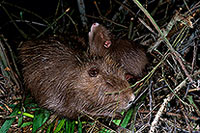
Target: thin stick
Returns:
[[175, 53], [166, 101], [81, 7], [25, 10], [194, 57], [52, 23], [16, 26], [95, 3]]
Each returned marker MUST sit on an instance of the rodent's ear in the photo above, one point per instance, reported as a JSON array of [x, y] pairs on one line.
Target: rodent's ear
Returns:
[[107, 44], [93, 72]]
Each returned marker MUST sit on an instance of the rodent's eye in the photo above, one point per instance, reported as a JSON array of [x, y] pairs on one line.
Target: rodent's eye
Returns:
[[93, 72], [107, 44]]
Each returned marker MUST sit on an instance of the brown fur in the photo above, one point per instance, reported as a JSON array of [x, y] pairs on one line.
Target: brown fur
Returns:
[[60, 80], [130, 55]]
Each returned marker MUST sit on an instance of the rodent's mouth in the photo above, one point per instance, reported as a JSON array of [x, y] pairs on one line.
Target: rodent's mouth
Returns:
[[127, 107]]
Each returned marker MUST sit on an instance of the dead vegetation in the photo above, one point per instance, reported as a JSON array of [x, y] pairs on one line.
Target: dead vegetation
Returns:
[[168, 97]]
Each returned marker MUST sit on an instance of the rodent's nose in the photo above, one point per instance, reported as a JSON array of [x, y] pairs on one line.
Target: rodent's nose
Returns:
[[95, 24], [130, 102]]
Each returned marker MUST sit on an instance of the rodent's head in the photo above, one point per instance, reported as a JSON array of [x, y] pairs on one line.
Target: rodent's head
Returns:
[[99, 39], [103, 89]]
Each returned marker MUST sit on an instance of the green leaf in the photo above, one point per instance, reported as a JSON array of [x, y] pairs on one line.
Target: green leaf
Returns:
[[31, 105], [9, 122], [27, 124], [60, 125], [190, 99], [79, 126], [49, 128], [68, 126], [127, 118], [72, 126], [40, 118], [117, 122], [104, 130], [20, 121], [26, 114]]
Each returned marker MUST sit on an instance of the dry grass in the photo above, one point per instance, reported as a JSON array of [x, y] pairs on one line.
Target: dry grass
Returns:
[[168, 97]]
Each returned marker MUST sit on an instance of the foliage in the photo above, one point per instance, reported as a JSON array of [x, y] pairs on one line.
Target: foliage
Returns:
[[167, 96]]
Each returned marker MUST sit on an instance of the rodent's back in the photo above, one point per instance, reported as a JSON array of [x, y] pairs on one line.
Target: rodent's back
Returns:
[[46, 66], [130, 55]]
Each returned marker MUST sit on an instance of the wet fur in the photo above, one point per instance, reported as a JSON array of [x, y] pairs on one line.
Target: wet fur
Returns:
[[128, 54], [59, 81]]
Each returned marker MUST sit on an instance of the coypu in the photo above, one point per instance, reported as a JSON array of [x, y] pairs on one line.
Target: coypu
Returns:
[[65, 82], [128, 54]]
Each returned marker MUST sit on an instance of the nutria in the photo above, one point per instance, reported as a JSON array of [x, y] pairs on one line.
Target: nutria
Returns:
[[65, 82], [130, 55]]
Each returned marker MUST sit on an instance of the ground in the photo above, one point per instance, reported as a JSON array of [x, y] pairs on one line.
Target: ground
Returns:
[[167, 96]]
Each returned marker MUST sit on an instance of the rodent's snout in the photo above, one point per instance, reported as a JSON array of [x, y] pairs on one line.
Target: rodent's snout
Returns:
[[131, 100], [95, 24]]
